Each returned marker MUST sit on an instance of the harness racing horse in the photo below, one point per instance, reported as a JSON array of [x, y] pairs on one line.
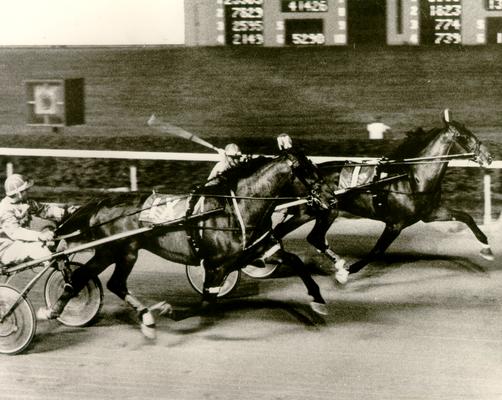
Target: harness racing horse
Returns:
[[400, 194], [222, 242]]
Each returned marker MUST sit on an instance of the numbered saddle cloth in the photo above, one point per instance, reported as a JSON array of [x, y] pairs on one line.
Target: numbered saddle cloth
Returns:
[[160, 208], [352, 176]]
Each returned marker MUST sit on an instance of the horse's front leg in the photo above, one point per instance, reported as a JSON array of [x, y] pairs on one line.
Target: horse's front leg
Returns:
[[117, 284], [317, 238], [318, 305], [390, 233], [214, 276], [446, 214]]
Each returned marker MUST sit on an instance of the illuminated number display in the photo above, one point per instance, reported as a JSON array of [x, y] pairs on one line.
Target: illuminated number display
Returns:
[[304, 6], [301, 32], [244, 22], [493, 5], [446, 16]]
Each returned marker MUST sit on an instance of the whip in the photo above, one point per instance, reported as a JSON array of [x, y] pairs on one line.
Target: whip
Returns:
[[165, 127]]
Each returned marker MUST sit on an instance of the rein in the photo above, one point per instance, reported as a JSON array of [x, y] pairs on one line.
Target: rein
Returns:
[[297, 200], [420, 160], [292, 201], [229, 196], [137, 211], [411, 161]]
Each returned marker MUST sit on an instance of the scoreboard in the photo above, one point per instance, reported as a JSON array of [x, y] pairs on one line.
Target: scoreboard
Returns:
[[283, 22], [442, 22], [342, 22], [265, 22], [243, 22]]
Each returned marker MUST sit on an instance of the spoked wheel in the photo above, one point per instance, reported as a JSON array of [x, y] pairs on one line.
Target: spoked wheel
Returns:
[[16, 330], [80, 310], [196, 274], [260, 272]]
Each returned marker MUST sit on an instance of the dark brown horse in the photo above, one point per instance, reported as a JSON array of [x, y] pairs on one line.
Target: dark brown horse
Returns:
[[227, 240], [413, 196]]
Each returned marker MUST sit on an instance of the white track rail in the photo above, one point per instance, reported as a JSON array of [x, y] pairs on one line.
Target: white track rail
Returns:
[[209, 157]]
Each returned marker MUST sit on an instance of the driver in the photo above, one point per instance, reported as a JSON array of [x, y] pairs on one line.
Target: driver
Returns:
[[230, 157], [17, 241]]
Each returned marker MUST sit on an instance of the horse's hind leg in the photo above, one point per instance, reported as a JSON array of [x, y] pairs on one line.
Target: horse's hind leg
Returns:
[[117, 284], [318, 305], [388, 236], [79, 278], [446, 214]]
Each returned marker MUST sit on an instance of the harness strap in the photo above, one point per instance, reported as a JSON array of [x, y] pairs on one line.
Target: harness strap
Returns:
[[262, 237], [239, 218], [408, 161], [355, 175], [199, 207], [192, 234], [290, 204]]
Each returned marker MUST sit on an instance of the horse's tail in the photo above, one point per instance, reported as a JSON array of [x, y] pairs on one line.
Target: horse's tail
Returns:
[[79, 220]]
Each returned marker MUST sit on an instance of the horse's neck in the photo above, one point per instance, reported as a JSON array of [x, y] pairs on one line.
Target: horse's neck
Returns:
[[268, 182], [429, 174]]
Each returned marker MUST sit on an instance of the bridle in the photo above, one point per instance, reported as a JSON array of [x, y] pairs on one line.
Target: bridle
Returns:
[[314, 188], [460, 140]]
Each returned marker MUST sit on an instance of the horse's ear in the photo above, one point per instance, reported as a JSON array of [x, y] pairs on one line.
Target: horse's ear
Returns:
[[446, 116]]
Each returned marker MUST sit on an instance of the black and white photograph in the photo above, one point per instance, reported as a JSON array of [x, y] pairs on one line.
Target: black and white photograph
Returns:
[[251, 199]]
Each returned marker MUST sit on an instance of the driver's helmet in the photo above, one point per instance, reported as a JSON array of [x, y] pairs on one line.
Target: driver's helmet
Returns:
[[16, 183], [284, 141], [232, 150]]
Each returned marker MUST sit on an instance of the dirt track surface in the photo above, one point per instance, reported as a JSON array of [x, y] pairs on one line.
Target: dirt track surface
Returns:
[[425, 324]]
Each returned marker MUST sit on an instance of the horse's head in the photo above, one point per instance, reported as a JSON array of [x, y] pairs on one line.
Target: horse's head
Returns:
[[467, 141], [321, 195]]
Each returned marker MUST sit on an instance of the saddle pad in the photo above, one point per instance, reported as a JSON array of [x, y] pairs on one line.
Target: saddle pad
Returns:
[[356, 176], [160, 208]]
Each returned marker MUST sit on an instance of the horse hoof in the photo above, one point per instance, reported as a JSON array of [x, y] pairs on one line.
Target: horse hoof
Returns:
[[163, 307], [319, 308], [149, 331], [340, 264], [487, 254], [167, 309], [342, 276], [44, 314], [342, 273], [148, 325]]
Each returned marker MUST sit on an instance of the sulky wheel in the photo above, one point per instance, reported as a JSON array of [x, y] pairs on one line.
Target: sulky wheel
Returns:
[[261, 271], [196, 273], [18, 328], [80, 310]]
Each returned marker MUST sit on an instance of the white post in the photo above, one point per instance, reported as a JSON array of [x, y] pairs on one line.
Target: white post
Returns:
[[488, 199], [10, 169], [133, 178]]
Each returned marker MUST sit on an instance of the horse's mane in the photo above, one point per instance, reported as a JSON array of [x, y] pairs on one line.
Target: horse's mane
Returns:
[[230, 177], [245, 168], [414, 142]]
